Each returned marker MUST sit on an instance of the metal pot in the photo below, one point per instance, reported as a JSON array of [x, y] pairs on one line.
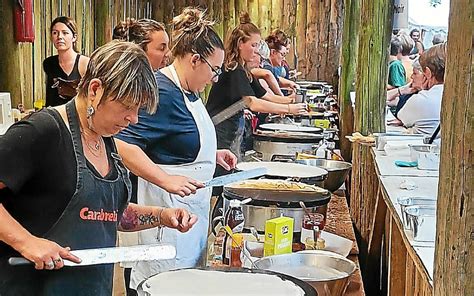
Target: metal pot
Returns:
[[405, 202], [327, 272], [268, 204], [423, 222], [337, 171], [172, 282], [256, 216]]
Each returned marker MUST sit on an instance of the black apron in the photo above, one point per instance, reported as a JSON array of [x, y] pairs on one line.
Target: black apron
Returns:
[[89, 221]]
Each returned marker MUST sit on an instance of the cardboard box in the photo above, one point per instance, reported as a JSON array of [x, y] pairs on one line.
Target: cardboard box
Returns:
[[278, 236]]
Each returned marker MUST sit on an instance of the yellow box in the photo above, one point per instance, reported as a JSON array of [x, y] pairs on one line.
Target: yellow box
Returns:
[[322, 123], [278, 236]]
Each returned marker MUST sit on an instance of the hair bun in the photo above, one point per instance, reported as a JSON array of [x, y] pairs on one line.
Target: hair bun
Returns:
[[192, 20], [121, 31], [244, 18]]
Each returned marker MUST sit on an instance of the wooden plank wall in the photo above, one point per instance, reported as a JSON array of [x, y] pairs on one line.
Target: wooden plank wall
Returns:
[[317, 26]]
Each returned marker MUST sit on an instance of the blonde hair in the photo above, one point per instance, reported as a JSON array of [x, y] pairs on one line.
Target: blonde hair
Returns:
[[241, 33], [137, 31], [125, 73], [193, 33]]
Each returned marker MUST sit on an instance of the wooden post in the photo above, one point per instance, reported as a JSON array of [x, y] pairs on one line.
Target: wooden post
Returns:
[[375, 29], [265, 16], [301, 11], [229, 18], [454, 264], [103, 26], [350, 40]]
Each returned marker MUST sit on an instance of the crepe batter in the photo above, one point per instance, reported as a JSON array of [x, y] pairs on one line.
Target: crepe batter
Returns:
[[206, 282]]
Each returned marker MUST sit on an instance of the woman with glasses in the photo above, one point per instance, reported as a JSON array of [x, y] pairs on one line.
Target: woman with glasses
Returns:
[[181, 139], [278, 51], [236, 84]]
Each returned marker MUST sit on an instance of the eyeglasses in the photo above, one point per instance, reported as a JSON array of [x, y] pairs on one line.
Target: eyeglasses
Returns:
[[217, 72]]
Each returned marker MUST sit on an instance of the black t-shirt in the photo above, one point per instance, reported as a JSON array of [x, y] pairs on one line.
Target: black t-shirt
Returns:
[[38, 166], [53, 70], [230, 88]]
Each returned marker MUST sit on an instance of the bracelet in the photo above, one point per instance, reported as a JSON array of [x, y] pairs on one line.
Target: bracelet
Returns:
[[399, 92], [159, 217]]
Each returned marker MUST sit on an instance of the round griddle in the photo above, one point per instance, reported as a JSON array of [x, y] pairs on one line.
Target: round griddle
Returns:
[[308, 290], [290, 128], [287, 137]]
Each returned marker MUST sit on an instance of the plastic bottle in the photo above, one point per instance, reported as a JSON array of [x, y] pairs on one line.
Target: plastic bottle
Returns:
[[235, 219], [321, 151]]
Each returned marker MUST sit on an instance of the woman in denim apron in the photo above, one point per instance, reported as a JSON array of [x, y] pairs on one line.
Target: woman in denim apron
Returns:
[[108, 101]]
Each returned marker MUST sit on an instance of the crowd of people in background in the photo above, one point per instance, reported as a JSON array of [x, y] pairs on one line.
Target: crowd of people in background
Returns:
[[415, 81]]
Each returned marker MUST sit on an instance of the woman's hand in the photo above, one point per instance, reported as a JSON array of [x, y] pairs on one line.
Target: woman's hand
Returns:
[[297, 109], [177, 218], [46, 254], [226, 159], [291, 97], [180, 185]]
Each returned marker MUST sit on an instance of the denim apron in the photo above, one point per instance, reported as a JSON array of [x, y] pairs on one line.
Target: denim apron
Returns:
[[89, 221]]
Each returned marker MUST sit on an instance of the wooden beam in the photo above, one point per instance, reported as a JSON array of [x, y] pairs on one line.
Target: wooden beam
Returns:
[[103, 25], [300, 29], [454, 262], [349, 47]]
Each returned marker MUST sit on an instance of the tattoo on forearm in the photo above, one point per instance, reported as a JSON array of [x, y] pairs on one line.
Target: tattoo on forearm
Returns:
[[148, 219], [129, 219]]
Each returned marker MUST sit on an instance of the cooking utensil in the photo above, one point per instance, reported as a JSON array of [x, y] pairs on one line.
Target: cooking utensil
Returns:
[[113, 255], [337, 171], [228, 112], [434, 135], [234, 177], [327, 272], [305, 209], [255, 233]]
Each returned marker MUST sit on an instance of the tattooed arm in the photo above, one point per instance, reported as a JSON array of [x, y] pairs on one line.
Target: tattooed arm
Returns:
[[137, 217]]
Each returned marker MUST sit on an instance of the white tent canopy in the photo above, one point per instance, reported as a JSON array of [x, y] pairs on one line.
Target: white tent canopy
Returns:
[[428, 19]]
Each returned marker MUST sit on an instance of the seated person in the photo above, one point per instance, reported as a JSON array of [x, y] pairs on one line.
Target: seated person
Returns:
[[397, 97], [396, 71], [421, 113]]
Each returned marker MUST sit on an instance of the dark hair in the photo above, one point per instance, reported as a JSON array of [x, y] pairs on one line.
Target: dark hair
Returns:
[[435, 59], [193, 33], [274, 43], [137, 31], [395, 46], [413, 31], [241, 33], [281, 37], [70, 23]]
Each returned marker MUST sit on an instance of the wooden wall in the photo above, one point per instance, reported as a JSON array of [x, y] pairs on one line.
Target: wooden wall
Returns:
[[315, 26]]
